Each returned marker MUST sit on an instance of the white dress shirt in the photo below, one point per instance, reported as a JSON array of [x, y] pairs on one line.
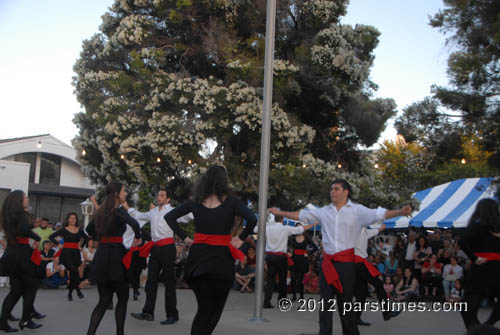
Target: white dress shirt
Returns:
[[129, 235], [362, 244], [277, 235], [341, 229], [159, 228]]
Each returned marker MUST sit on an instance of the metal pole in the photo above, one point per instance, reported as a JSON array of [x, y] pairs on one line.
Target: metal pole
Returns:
[[264, 157]]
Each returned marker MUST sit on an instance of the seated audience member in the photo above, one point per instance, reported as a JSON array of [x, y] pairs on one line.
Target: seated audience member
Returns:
[[451, 273], [55, 274], [431, 276], [251, 259], [311, 282], [398, 276], [388, 287], [408, 287], [47, 255], [444, 257], [457, 293], [244, 276], [379, 264], [391, 264]]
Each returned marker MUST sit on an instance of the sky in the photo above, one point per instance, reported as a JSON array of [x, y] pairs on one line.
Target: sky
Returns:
[[41, 41]]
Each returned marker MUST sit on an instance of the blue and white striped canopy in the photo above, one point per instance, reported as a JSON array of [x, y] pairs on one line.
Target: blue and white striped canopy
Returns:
[[447, 205]]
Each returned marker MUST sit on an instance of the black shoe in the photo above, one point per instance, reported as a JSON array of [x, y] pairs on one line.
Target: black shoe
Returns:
[[390, 315], [80, 294], [13, 318], [8, 329], [135, 295], [170, 320], [294, 298], [143, 316], [29, 324], [267, 306], [37, 315], [70, 298], [363, 323]]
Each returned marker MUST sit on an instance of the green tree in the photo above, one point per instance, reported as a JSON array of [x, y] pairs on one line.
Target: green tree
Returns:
[[170, 87], [474, 68]]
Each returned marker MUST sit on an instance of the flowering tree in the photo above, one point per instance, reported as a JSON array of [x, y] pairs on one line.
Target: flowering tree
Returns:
[[170, 87]]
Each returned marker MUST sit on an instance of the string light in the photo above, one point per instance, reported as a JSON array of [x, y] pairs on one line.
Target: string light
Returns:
[[339, 166], [376, 166], [122, 156], [463, 161], [158, 160], [189, 162], [84, 152], [304, 166]]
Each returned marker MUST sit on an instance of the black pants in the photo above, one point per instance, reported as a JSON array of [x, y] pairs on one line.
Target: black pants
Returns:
[[298, 283], [19, 287], [106, 291], [363, 278], [211, 295], [161, 261], [347, 274], [134, 273], [276, 264], [473, 303]]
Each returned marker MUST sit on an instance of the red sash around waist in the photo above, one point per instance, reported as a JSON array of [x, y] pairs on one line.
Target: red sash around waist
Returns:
[[331, 275], [221, 240], [299, 252], [490, 256], [369, 266], [127, 259], [146, 248], [289, 260], [67, 245], [36, 255], [111, 240]]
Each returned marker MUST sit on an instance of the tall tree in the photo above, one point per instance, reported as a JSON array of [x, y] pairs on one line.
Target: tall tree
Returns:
[[474, 68], [170, 86]]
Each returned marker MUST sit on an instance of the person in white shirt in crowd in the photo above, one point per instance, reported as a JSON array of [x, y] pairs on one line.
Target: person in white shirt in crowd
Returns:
[[162, 259], [367, 273], [341, 224], [409, 251], [451, 272], [276, 255]]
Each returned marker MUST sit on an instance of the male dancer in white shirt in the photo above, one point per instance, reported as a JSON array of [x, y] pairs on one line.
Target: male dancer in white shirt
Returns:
[[341, 224], [162, 259], [277, 258]]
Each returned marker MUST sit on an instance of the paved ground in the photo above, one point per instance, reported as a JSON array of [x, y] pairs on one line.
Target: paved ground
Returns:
[[71, 318]]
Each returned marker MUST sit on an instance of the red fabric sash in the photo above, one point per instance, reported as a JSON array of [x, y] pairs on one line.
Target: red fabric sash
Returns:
[[299, 252], [490, 256], [36, 255], [222, 240], [331, 275], [111, 240], [67, 245], [127, 259], [146, 248], [369, 266], [289, 260]]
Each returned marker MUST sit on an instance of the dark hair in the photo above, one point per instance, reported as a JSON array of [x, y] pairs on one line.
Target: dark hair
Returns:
[[162, 189], [104, 215], [45, 242], [426, 244], [66, 223], [45, 219], [411, 276], [12, 214], [213, 181], [486, 215], [345, 185], [278, 218]]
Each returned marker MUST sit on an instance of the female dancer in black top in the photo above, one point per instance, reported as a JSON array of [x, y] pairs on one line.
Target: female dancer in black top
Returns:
[[70, 255], [300, 265], [16, 261], [210, 266], [108, 270], [481, 243]]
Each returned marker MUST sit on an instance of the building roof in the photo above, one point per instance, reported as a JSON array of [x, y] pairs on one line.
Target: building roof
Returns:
[[21, 138]]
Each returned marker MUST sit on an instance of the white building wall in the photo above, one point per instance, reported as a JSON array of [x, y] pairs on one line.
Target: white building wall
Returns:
[[72, 176], [14, 175]]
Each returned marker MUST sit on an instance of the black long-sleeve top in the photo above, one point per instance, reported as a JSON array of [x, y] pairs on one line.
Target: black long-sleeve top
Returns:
[[208, 259], [478, 239], [121, 218], [68, 236]]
